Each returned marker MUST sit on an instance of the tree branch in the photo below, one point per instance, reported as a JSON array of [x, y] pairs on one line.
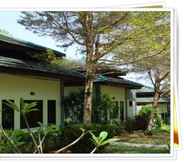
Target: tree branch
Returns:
[[70, 32], [113, 23], [71, 144], [164, 76], [151, 78], [139, 59]]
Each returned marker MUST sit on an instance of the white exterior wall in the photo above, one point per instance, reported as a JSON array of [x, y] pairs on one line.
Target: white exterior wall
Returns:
[[16, 86], [119, 94], [72, 89]]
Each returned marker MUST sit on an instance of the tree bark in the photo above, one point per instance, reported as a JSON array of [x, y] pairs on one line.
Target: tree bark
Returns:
[[156, 98], [90, 66], [88, 101], [153, 114]]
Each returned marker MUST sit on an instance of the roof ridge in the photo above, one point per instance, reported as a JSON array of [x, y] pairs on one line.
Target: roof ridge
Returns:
[[28, 44]]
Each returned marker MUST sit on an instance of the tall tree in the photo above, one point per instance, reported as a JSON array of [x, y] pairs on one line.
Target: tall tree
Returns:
[[150, 54], [96, 34]]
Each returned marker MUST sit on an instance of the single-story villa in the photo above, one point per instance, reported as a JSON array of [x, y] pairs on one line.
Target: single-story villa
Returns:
[[144, 96], [25, 76], [117, 88]]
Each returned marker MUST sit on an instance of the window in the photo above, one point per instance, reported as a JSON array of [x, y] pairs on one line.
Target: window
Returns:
[[144, 94], [130, 103], [7, 116], [33, 117], [51, 111], [122, 110], [115, 110]]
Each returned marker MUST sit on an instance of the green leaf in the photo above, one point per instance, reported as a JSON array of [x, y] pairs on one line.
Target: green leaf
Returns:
[[95, 139], [12, 105], [103, 135]]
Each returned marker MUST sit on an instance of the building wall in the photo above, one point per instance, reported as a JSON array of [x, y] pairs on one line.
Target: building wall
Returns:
[[72, 89], [16, 86], [162, 107], [118, 93]]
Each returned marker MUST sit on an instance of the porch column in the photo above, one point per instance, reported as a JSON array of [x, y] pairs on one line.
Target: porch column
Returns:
[[45, 112], [134, 105], [61, 103], [17, 115], [126, 104]]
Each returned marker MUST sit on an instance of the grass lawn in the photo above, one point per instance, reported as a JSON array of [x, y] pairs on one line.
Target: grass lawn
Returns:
[[137, 142], [158, 137], [119, 147]]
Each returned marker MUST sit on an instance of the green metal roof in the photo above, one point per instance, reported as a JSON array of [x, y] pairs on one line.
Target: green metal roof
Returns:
[[119, 81], [18, 64], [27, 44]]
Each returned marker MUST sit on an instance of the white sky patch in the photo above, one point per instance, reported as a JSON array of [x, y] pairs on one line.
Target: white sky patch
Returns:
[[141, 78]]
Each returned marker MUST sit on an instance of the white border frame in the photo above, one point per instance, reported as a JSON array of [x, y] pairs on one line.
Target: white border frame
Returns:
[[110, 156]]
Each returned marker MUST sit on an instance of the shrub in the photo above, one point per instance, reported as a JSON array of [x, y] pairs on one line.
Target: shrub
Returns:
[[146, 111], [85, 145], [57, 138], [73, 107], [24, 143], [21, 140], [142, 119], [129, 125]]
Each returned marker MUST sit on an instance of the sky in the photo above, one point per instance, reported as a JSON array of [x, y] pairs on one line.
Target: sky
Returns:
[[8, 22]]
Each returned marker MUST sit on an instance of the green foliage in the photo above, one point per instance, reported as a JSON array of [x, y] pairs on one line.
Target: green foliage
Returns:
[[100, 140], [146, 111], [56, 138], [165, 127], [105, 110], [129, 125], [158, 121], [73, 107], [24, 107], [86, 145], [141, 121], [24, 143], [48, 56], [21, 139]]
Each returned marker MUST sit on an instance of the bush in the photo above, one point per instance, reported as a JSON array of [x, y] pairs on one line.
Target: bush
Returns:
[[73, 108], [130, 125], [24, 143], [56, 138], [141, 122], [142, 119], [21, 139], [85, 145]]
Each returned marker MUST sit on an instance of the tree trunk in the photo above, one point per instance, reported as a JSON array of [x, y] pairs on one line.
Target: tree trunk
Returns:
[[88, 101], [154, 112], [90, 65]]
